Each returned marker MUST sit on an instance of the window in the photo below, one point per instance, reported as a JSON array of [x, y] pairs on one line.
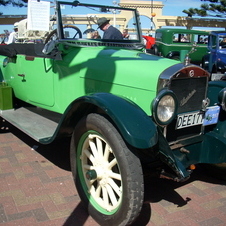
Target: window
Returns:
[[181, 37], [201, 39]]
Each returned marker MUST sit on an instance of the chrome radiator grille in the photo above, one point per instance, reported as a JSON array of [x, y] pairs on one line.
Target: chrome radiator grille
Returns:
[[190, 93]]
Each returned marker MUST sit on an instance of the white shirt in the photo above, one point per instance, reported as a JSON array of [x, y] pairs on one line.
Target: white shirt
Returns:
[[12, 37]]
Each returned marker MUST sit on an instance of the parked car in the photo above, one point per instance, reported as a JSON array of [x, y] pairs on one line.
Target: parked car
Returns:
[[127, 113], [215, 60], [176, 43]]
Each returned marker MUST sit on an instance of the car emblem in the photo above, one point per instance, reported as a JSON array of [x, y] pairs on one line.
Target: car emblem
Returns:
[[186, 99]]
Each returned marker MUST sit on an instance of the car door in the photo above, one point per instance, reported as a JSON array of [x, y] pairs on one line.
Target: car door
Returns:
[[36, 74], [212, 48]]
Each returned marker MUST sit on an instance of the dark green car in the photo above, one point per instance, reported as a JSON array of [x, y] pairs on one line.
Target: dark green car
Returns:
[[176, 43], [127, 112]]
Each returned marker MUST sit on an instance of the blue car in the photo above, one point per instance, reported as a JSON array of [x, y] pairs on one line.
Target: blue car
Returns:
[[215, 60]]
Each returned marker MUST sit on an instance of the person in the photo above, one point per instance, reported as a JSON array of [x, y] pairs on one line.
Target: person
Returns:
[[13, 35], [223, 42], [201, 40], [110, 32], [95, 35], [125, 34], [184, 38]]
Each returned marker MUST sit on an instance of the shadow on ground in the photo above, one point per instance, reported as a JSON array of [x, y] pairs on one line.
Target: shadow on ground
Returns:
[[156, 189], [60, 148]]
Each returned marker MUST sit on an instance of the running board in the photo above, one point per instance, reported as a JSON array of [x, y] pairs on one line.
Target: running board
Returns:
[[34, 125]]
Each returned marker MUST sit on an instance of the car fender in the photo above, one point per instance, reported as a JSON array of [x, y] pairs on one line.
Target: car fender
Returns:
[[135, 126], [213, 90]]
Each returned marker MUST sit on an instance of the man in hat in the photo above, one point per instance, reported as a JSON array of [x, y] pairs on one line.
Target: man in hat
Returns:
[[13, 35], [110, 32]]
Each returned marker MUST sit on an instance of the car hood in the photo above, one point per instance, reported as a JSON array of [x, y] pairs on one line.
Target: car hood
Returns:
[[117, 66]]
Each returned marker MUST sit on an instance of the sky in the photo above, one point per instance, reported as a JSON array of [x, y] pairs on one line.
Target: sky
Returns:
[[171, 8]]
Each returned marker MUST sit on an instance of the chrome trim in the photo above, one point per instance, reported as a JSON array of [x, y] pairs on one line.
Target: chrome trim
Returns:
[[165, 81], [179, 71], [98, 43], [182, 44], [205, 104], [155, 106]]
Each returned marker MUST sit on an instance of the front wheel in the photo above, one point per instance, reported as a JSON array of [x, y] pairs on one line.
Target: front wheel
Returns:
[[108, 175]]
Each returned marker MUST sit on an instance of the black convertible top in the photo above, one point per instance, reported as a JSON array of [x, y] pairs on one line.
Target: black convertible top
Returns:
[[29, 49]]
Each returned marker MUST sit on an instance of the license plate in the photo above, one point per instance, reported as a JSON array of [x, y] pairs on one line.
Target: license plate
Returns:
[[211, 115], [198, 118], [189, 119]]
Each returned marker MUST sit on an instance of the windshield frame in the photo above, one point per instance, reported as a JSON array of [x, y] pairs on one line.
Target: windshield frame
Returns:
[[60, 32]]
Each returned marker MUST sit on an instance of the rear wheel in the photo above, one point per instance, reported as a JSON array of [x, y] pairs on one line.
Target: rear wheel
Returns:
[[108, 176], [155, 50]]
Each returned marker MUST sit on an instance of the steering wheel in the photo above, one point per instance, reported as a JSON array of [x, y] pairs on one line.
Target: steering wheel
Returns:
[[70, 31]]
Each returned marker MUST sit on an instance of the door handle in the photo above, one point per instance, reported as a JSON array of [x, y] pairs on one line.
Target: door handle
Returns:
[[23, 77]]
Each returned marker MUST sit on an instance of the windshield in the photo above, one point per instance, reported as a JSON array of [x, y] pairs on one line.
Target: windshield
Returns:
[[96, 22]]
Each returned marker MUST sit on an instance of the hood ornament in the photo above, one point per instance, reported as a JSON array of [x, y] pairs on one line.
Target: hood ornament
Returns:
[[205, 104], [187, 59]]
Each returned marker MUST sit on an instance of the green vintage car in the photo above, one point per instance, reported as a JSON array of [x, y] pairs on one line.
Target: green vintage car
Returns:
[[175, 43], [127, 112]]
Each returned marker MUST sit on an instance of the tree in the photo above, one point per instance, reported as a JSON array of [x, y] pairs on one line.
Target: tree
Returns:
[[216, 8], [16, 3]]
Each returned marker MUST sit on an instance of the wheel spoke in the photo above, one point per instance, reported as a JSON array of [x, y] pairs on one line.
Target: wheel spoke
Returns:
[[107, 152], [89, 155], [116, 176], [98, 191], [112, 163], [75, 35], [105, 198], [99, 146], [111, 195], [91, 190], [87, 167], [93, 148], [115, 187]]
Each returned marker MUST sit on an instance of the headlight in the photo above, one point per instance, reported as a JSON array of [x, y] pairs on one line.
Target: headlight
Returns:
[[222, 98], [164, 107]]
